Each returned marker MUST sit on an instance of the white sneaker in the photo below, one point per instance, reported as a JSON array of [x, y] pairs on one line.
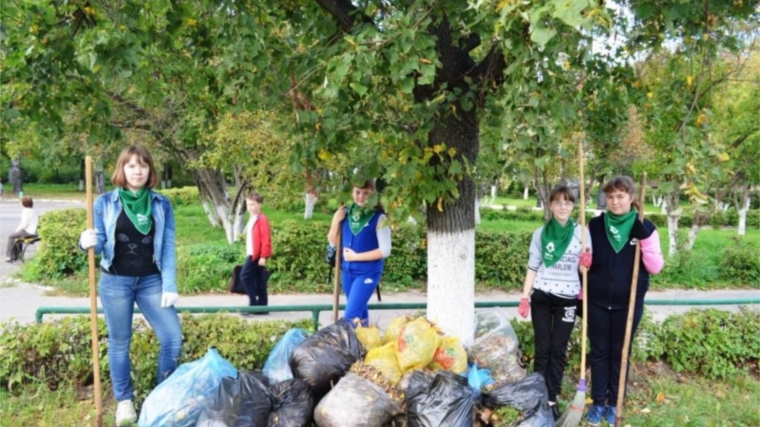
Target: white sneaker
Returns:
[[125, 413]]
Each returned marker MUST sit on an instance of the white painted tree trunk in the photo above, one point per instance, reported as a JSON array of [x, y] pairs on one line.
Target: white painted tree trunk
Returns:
[[311, 201], [81, 185], [477, 210], [742, 228], [451, 283], [211, 214], [672, 235], [657, 201], [237, 226], [493, 194], [664, 206], [525, 193], [691, 238]]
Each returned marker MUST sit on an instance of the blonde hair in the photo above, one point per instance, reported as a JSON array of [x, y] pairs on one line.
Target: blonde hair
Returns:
[[143, 157]]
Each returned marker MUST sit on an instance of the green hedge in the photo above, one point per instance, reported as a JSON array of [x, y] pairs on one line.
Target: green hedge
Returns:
[[299, 266], [712, 343], [184, 196], [58, 352]]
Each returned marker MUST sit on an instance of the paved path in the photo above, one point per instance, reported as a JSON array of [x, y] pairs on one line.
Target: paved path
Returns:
[[19, 301]]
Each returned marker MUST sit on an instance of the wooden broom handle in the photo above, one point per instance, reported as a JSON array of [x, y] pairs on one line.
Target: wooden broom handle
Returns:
[[631, 308], [93, 299]]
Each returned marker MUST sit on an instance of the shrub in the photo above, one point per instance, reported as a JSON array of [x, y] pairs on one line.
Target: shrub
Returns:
[[58, 352], [206, 267], [739, 262], [184, 196], [58, 254], [711, 342], [501, 258]]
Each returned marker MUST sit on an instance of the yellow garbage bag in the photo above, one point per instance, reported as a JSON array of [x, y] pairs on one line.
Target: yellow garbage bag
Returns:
[[391, 332], [384, 359], [416, 344], [450, 356], [369, 337]]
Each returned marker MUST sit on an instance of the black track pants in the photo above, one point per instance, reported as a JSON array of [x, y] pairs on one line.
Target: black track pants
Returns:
[[553, 321], [606, 333]]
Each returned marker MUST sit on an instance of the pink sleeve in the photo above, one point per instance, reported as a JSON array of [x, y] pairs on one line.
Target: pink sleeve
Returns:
[[651, 253]]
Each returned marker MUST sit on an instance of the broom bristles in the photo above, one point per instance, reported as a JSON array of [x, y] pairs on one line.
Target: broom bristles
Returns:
[[572, 417]]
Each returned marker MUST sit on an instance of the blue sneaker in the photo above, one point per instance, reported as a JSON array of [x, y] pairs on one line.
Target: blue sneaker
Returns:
[[609, 414], [594, 416]]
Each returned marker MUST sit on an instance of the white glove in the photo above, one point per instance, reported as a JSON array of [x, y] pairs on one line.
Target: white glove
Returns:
[[88, 239], [168, 299]]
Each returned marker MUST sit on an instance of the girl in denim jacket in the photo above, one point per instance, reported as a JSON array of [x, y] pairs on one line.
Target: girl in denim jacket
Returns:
[[134, 232]]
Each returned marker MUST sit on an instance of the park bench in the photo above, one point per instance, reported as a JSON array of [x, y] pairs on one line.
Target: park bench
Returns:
[[24, 242]]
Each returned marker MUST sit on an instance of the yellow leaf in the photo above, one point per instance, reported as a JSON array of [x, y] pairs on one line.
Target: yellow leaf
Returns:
[[425, 61], [438, 148], [323, 155], [689, 80], [191, 22], [724, 157], [660, 397], [650, 95], [440, 204], [691, 168]]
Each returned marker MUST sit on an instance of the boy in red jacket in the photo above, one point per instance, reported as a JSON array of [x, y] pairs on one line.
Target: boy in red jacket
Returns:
[[258, 248]]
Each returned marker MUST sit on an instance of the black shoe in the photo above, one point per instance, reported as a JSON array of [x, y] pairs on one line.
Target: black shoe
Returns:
[[555, 412]]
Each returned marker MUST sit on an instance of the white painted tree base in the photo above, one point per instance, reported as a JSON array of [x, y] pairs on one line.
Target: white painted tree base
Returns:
[[451, 283]]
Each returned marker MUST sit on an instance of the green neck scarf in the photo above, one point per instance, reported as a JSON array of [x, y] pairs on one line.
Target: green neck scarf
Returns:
[[358, 217], [619, 228], [137, 207], [555, 239]]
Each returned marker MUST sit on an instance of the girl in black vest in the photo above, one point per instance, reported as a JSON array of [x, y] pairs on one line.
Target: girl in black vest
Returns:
[[614, 235]]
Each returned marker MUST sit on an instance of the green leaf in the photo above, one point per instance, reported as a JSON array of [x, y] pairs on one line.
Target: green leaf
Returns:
[[358, 88], [541, 35]]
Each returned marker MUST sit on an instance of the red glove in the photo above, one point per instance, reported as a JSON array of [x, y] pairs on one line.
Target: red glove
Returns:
[[585, 259], [524, 308]]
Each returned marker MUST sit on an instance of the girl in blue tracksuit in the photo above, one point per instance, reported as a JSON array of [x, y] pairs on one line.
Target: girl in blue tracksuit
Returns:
[[366, 242]]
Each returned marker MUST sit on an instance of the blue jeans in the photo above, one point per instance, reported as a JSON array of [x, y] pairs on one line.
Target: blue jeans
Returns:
[[118, 295], [359, 287]]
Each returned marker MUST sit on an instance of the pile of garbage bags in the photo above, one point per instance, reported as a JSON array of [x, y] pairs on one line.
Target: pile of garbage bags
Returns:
[[412, 375]]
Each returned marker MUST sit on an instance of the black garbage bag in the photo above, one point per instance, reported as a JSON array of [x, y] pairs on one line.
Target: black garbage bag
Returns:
[[355, 402], [446, 401], [239, 402], [323, 358], [292, 404], [529, 396]]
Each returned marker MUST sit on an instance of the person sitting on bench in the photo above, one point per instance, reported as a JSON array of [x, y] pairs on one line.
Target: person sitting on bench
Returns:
[[27, 228]]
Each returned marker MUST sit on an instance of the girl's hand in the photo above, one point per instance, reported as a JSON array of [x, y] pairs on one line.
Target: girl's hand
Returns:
[[340, 214], [349, 254], [585, 259], [524, 308]]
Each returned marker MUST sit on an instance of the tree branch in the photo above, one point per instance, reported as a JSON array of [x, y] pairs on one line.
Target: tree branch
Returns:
[[344, 12]]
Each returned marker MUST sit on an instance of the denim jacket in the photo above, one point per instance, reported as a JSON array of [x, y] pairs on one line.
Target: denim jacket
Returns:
[[107, 210]]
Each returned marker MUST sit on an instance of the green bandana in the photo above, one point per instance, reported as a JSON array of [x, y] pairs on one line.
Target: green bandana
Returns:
[[619, 228], [555, 239], [137, 207], [358, 217]]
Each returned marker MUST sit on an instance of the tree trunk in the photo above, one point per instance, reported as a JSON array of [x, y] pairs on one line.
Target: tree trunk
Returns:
[[672, 215], [310, 197], [699, 220], [742, 210], [477, 210], [525, 193], [493, 195], [15, 176], [100, 179], [451, 238], [82, 176]]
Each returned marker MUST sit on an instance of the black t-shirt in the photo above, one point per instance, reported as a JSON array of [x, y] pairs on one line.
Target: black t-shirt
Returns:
[[133, 252]]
